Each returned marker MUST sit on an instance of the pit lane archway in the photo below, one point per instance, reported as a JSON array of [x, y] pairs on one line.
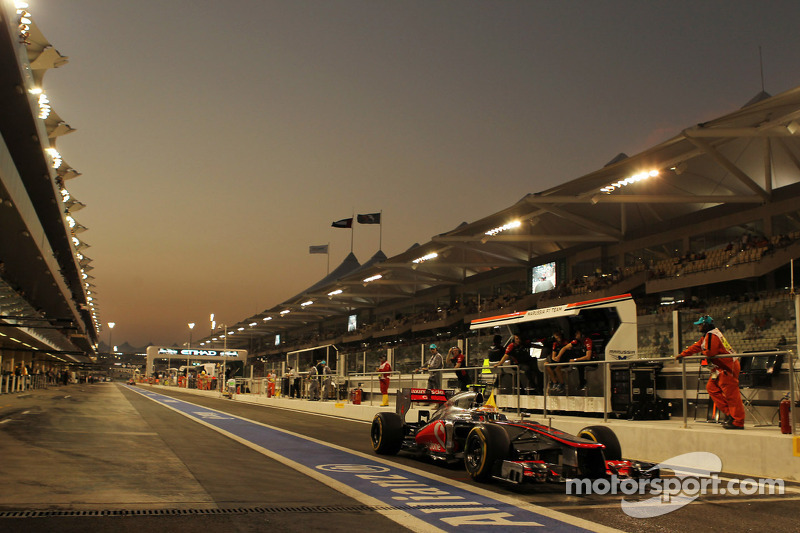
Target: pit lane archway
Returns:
[[192, 355]]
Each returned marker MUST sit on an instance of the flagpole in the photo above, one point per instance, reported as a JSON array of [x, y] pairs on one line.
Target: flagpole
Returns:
[[380, 233], [352, 230], [328, 254]]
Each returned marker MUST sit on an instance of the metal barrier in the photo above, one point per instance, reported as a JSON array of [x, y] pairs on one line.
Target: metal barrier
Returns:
[[630, 362], [11, 383]]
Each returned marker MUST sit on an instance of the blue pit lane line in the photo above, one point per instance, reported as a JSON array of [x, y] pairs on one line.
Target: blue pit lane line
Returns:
[[415, 499]]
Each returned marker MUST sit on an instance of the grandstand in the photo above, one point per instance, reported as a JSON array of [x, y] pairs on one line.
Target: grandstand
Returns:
[[705, 222]]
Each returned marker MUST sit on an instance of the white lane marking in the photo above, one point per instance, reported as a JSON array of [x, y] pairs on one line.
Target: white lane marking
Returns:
[[400, 517]]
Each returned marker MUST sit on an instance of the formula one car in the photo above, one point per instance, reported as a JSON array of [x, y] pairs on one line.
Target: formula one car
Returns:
[[493, 447]]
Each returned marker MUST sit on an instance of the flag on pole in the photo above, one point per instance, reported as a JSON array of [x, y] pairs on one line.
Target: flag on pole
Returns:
[[370, 218], [344, 223], [321, 249]]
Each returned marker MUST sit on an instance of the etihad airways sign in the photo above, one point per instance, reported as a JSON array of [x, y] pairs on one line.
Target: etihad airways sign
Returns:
[[198, 353]]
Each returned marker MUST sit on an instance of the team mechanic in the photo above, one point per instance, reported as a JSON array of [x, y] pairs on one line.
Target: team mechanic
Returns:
[[385, 368], [723, 385]]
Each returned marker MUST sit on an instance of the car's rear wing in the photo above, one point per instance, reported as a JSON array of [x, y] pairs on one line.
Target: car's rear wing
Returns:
[[407, 396]]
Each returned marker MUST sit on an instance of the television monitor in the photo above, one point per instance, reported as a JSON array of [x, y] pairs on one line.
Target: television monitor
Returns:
[[543, 277], [277, 340], [352, 323]]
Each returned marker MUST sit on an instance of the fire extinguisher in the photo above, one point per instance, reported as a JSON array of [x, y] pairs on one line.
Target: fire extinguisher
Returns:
[[784, 407]]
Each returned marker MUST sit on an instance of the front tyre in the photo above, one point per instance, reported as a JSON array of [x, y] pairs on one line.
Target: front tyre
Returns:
[[606, 437], [387, 433], [485, 445]]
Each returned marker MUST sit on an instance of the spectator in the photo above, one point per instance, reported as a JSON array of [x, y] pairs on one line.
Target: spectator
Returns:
[[324, 372], [556, 379], [580, 349], [518, 352], [384, 368], [435, 362], [496, 350], [781, 343], [456, 356], [723, 385], [291, 374], [313, 385]]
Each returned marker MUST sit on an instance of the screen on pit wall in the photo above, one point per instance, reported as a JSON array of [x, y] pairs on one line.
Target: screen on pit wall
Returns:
[[352, 323]]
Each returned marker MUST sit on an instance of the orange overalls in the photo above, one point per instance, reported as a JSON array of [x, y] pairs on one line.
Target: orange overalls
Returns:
[[724, 389]]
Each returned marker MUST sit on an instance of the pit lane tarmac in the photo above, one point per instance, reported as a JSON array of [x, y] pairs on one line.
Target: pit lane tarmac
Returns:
[[127, 462]]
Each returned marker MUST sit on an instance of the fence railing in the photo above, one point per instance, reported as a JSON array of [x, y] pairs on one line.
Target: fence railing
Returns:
[[683, 363], [11, 383], [331, 385]]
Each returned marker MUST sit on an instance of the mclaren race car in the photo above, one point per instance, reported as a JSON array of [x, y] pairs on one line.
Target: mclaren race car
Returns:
[[463, 428]]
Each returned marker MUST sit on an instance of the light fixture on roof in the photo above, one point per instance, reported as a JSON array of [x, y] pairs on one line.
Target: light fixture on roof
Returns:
[[376, 277], [306, 304], [239, 329], [267, 318], [44, 106], [680, 168], [630, 179], [427, 257], [55, 156], [253, 324], [285, 312], [334, 293], [511, 225], [793, 126]]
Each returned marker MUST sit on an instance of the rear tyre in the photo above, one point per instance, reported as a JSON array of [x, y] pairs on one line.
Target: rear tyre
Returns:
[[387, 433], [485, 445], [606, 437]]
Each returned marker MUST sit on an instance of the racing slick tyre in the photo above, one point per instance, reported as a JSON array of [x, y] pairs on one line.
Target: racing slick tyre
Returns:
[[485, 445], [387, 433], [606, 437]]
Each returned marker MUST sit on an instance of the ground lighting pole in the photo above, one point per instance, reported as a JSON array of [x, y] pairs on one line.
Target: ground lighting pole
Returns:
[[191, 327], [224, 357], [110, 330]]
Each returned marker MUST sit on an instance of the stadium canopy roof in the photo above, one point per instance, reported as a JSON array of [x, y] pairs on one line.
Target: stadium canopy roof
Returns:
[[740, 158]]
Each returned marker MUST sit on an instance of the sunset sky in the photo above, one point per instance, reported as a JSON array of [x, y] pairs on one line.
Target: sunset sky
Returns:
[[219, 140]]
